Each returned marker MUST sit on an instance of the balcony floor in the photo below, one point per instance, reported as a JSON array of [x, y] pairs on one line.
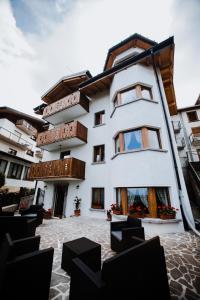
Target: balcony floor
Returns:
[[68, 114], [181, 251], [64, 144]]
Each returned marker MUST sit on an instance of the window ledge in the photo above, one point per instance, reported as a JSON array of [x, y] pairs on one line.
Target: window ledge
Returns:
[[99, 125], [97, 209], [132, 101], [98, 163], [160, 221], [139, 150]]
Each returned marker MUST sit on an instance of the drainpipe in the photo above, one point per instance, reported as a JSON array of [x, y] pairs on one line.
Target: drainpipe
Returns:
[[184, 211]]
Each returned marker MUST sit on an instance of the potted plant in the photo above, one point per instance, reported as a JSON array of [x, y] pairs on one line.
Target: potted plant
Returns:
[[137, 211], [77, 203], [47, 214], [109, 216], [167, 212], [116, 209]]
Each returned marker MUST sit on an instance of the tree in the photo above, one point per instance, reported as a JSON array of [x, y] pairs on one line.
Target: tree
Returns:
[[2, 179]]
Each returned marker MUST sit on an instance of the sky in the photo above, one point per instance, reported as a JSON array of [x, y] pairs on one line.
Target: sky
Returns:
[[44, 40]]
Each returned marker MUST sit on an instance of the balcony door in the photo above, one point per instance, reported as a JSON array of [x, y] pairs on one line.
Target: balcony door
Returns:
[[60, 197]]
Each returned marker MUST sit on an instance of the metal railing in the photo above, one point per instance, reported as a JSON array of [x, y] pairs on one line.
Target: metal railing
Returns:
[[14, 137]]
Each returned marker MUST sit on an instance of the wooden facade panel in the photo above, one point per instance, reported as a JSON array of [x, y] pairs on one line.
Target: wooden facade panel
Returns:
[[62, 168], [66, 131]]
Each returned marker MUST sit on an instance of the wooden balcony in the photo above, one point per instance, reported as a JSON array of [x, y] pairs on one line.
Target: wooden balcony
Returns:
[[65, 136], [66, 109], [57, 170], [26, 127]]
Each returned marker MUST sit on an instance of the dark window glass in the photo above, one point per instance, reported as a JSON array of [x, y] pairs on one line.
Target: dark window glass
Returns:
[[65, 154], [99, 153], [26, 173], [98, 198], [99, 118], [192, 116], [117, 145], [162, 196], [3, 165], [12, 151], [15, 171]]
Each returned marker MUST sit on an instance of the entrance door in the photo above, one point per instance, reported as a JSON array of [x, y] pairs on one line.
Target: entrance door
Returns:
[[60, 194]]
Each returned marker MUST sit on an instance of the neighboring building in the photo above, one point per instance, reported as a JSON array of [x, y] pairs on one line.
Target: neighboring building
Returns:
[[111, 139], [186, 126], [18, 132]]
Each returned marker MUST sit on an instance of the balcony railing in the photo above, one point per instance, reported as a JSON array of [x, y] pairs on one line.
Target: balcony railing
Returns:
[[67, 135], [14, 139], [180, 143], [62, 169], [26, 127], [66, 109], [176, 126], [195, 139]]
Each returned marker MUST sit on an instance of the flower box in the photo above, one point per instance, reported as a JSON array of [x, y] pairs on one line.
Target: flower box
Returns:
[[136, 215], [167, 217]]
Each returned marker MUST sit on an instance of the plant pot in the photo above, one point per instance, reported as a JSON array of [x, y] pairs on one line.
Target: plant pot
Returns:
[[117, 212], [77, 212], [136, 215], [167, 217]]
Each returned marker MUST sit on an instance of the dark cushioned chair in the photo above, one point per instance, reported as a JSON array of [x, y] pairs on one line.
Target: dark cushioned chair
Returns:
[[25, 276], [137, 273], [18, 227], [122, 231], [34, 211]]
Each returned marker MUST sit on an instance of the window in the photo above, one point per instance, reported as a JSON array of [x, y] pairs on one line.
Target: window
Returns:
[[30, 152], [99, 118], [3, 165], [146, 198], [12, 151], [99, 153], [192, 116], [134, 93], [65, 154], [15, 171], [26, 172], [140, 138], [98, 198]]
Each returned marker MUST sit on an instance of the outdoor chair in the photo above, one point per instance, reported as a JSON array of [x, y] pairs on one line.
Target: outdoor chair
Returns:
[[122, 231], [34, 211], [18, 227], [136, 273], [25, 276]]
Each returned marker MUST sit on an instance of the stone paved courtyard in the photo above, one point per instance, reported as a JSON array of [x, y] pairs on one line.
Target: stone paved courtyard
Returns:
[[182, 251]]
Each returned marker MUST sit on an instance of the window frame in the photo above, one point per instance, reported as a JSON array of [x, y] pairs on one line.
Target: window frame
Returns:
[[12, 165], [26, 172], [101, 112], [93, 206], [196, 115], [153, 204], [94, 150], [145, 142], [138, 90]]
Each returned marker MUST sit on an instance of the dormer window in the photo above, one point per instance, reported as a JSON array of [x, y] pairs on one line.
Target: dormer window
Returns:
[[134, 93]]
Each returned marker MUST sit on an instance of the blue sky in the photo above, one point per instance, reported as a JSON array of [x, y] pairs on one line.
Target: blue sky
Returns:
[[44, 40]]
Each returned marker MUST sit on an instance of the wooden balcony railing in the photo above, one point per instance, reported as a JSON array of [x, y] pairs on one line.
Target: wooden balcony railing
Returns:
[[66, 131], [69, 168], [26, 127], [65, 103]]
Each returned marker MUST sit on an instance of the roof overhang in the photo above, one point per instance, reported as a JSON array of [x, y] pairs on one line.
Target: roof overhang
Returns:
[[135, 40], [164, 58], [65, 86], [14, 115]]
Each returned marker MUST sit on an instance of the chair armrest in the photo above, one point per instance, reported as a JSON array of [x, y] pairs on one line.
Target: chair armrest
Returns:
[[118, 225], [88, 282], [136, 231], [136, 241], [23, 246]]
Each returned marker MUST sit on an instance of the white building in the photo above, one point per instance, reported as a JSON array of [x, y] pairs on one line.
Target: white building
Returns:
[[18, 149], [186, 126], [111, 138]]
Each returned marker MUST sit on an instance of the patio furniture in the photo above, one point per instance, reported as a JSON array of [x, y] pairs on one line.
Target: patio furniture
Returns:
[[18, 227], [34, 211], [136, 273], [25, 276], [122, 231], [87, 250]]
